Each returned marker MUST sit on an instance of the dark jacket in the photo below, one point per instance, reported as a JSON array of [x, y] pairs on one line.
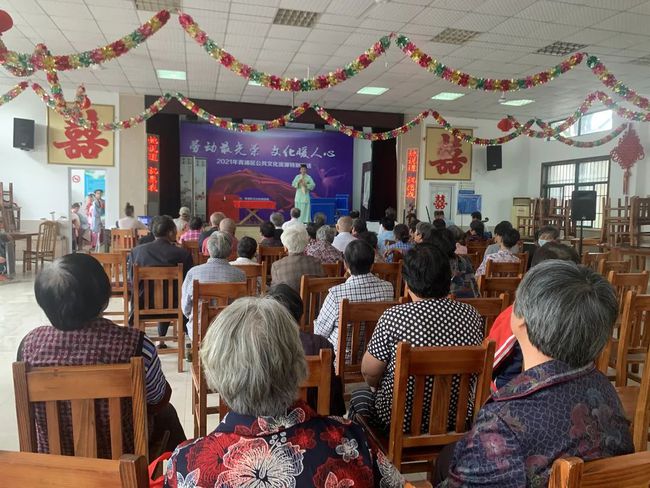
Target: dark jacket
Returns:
[[205, 234]]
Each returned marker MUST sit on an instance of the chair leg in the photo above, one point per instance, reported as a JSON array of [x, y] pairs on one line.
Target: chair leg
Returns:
[[203, 409], [180, 335]]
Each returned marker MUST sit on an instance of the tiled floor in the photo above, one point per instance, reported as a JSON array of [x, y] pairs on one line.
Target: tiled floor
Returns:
[[19, 313]]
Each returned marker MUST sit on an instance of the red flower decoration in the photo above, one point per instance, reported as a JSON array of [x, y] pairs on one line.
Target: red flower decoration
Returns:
[[505, 124], [118, 47], [201, 38], [425, 60], [185, 20], [332, 435], [364, 60], [226, 59], [146, 30], [305, 438], [97, 56], [208, 455]]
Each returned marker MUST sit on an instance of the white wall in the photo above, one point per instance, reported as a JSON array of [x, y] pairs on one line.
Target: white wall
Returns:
[[40, 188], [362, 153]]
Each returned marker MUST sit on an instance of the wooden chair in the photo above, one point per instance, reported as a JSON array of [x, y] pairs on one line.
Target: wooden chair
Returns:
[[630, 471], [358, 320], [123, 239], [523, 258], [488, 308], [114, 264], [391, 272], [475, 259], [29, 469], [45, 246], [142, 233], [478, 247], [161, 302], [415, 449], [494, 287], [636, 405], [193, 248], [503, 270], [605, 266], [591, 259], [268, 256], [208, 299], [333, 270], [394, 256], [624, 282], [313, 291], [81, 386], [629, 350], [639, 219], [256, 285]]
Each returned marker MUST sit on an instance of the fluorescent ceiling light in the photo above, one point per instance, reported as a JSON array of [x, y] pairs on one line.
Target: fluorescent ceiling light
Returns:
[[372, 90], [254, 83], [517, 103], [447, 96], [170, 74]]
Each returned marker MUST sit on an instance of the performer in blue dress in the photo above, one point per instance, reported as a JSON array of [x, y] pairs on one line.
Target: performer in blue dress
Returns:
[[304, 184]]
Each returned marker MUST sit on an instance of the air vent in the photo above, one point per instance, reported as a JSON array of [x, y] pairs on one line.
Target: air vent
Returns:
[[559, 48], [455, 36], [642, 61], [157, 5], [295, 18]]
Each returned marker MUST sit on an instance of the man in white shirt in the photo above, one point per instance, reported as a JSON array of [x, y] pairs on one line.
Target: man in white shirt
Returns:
[[344, 237], [295, 219]]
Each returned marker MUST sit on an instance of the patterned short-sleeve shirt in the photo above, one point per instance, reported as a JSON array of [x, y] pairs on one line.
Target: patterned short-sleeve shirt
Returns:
[[426, 323]]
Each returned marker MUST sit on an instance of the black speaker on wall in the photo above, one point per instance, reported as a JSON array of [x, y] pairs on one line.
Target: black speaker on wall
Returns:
[[24, 134], [583, 205], [493, 158]]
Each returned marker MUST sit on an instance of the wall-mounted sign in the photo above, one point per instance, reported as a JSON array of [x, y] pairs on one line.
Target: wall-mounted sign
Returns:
[[411, 188]]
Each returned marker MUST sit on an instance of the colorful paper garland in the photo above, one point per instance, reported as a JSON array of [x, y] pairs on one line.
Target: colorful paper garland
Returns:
[[278, 82], [22, 64], [480, 141], [618, 87], [14, 92]]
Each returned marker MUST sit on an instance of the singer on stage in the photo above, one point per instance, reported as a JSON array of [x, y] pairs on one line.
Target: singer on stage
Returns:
[[303, 183]]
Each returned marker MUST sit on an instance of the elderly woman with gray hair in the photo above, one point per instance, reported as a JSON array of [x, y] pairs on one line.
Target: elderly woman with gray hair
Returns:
[[291, 268], [253, 357], [560, 405], [322, 248]]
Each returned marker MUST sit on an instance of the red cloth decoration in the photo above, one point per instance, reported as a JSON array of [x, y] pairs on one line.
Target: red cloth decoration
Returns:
[[626, 153], [6, 22], [505, 124]]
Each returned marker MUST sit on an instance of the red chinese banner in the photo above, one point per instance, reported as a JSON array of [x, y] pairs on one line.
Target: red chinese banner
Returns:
[[153, 164], [411, 187]]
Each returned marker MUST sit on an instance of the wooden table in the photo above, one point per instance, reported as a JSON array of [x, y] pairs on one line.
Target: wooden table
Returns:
[[17, 236], [252, 206]]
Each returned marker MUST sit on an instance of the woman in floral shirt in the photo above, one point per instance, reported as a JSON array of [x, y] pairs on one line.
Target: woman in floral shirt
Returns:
[[253, 357]]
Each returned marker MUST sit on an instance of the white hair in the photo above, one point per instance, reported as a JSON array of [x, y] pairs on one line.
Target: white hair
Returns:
[[295, 239], [219, 244], [252, 356]]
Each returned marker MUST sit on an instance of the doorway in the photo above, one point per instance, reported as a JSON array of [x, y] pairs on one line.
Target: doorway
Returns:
[[82, 184]]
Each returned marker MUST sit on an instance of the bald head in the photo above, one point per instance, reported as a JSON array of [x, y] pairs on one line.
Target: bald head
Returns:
[[228, 225], [344, 224], [216, 218]]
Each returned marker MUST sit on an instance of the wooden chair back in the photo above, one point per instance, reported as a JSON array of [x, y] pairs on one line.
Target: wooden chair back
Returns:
[[313, 291], [394, 256], [269, 255], [333, 270], [47, 233], [418, 365], [391, 272], [634, 337], [503, 270], [114, 264], [478, 247], [591, 259], [193, 248], [122, 239], [624, 282], [357, 320], [81, 386], [605, 266], [319, 376], [602, 361], [30, 469], [256, 285], [475, 258], [523, 258], [636, 405], [160, 302], [488, 308], [142, 233], [494, 287], [631, 471]]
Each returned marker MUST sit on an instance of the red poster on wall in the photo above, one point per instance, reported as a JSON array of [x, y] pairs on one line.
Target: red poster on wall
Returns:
[[411, 186]]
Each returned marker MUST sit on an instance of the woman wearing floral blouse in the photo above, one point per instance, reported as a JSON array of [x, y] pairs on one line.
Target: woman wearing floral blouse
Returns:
[[253, 357]]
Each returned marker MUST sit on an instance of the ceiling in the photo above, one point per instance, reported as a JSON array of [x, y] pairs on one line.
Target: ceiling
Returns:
[[511, 32]]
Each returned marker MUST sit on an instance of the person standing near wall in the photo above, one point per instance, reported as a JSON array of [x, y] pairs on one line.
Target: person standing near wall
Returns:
[[304, 184], [98, 210]]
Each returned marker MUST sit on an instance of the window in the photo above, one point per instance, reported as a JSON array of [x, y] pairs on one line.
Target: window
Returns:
[[561, 178], [588, 124]]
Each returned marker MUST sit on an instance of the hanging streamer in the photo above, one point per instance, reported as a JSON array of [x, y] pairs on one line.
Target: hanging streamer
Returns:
[[14, 92]]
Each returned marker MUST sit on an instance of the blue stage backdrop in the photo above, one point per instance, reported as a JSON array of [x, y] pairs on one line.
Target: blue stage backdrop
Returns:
[[262, 165]]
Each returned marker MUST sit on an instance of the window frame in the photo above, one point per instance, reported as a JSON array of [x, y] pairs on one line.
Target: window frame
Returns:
[[579, 123], [577, 185]]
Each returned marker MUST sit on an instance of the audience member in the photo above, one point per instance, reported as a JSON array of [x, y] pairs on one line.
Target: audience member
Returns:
[[547, 233], [390, 213], [161, 252], [246, 250], [439, 224], [476, 216], [410, 217], [440, 214], [322, 248], [97, 211], [476, 231], [215, 220], [290, 268], [267, 230], [194, 231], [216, 270], [508, 360], [73, 293], [361, 286], [295, 219], [463, 282], [561, 405], [499, 229], [386, 227], [311, 231], [230, 227], [182, 223], [459, 239], [431, 319], [359, 226], [344, 229], [354, 214], [402, 244], [371, 238], [320, 219], [253, 357], [81, 227], [311, 345], [129, 221], [422, 232], [509, 239], [412, 225], [278, 220]]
